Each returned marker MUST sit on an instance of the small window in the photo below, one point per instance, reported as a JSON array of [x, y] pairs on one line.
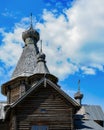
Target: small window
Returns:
[[43, 110], [36, 127]]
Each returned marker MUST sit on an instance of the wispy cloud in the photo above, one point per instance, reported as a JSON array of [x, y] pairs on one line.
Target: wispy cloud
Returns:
[[8, 13], [61, 4], [11, 47]]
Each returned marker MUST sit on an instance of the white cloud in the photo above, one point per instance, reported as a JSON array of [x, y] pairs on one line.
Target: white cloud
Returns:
[[78, 38], [71, 42], [87, 70], [11, 49]]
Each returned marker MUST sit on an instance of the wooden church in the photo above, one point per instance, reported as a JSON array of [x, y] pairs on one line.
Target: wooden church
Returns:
[[35, 101]]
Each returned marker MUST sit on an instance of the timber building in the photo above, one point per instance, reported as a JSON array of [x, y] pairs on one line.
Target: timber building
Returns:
[[35, 101]]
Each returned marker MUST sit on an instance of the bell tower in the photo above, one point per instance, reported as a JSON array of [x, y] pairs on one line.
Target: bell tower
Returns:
[[30, 68]]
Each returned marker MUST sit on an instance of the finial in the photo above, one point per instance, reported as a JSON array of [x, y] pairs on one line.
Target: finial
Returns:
[[31, 33], [31, 25], [78, 96], [79, 85], [41, 46], [41, 56]]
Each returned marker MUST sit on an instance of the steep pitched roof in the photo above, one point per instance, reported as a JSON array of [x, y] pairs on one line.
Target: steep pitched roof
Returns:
[[41, 66], [56, 87], [31, 61], [27, 62]]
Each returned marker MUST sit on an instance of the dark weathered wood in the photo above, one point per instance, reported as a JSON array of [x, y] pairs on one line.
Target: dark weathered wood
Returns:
[[13, 94], [45, 107], [3, 125]]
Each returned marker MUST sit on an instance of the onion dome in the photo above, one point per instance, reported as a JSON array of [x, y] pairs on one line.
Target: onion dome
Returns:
[[41, 63], [31, 33], [28, 60], [41, 56], [78, 95]]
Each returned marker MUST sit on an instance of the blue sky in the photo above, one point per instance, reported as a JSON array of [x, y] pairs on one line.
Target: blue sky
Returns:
[[73, 37]]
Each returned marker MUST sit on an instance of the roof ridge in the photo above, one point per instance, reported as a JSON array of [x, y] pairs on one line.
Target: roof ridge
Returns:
[[64, 94]]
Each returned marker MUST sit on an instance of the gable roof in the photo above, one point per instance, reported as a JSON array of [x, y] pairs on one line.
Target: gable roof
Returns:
[[53, 85]]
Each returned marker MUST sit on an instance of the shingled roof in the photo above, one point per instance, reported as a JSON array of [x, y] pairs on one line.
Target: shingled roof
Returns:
[[88, 116], [27, 62], [31, 61]]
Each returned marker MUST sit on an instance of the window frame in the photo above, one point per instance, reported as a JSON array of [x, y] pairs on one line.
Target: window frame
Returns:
[[39, 127]]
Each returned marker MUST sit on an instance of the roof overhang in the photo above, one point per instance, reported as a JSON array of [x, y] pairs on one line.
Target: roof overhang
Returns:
[[38, 76]]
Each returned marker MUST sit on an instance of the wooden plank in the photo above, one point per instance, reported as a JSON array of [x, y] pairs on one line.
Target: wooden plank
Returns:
[[57, 112]]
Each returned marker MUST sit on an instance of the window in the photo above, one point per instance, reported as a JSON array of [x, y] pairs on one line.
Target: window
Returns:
[[36, 127]]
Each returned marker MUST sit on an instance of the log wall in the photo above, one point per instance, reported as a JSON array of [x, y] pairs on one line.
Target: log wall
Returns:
[[45, 107]]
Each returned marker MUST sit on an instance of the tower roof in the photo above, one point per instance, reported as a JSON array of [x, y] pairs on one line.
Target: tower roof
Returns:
[[31, 61], [78, 95], [27, 62], [30, 33], [41, 63]]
